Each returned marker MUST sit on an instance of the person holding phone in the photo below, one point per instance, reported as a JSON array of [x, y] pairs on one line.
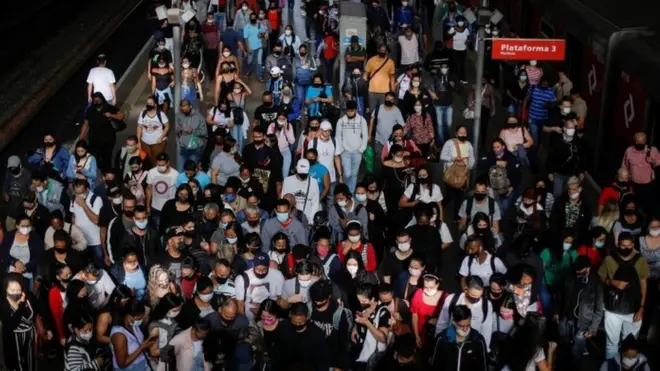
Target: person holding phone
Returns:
[[640, 160], [127, 341]]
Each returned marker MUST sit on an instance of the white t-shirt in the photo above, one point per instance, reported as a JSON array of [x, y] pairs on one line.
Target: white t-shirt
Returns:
[[91, 231], [101, 79], [99, 293], [409, 50], [269, 287], [163, 187], [460, 39], [220, 119], [483, 271], [306, 200], [327, 152], [424, 195], [152, 129]]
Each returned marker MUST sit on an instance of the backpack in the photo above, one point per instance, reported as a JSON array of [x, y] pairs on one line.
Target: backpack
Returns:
[[287, 68], [468, 209], [315, 143], [484, 306], [336, 317], [160, 119], [629, 299], [499, 180], [304, 76], [331, 50]]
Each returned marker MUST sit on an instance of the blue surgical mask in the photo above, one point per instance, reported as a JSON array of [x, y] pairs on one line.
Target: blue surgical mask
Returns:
[[599, 244], [223, 225], [137, 323], [141, 224], [229, 197], [282, 217], [566, 246], [361, 197], [206, 297], [523, 78]]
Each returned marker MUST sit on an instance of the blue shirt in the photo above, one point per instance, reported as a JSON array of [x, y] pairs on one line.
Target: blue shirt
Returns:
[[230, 38], [137, 282], [312, 92], [203, 179], [318, 171], [251, 34], [539, 98]]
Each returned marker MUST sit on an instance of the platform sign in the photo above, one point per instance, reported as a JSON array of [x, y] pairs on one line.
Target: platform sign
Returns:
[[350, 32], [528, 49]]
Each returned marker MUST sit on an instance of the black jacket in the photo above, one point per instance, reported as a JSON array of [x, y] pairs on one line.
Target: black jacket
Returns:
[[565, 158], [558, 219], [582, 302], [512, 166], [470, 355], [119, 240]]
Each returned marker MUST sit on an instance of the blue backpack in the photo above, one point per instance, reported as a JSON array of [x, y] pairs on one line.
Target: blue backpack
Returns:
[[305, 76]]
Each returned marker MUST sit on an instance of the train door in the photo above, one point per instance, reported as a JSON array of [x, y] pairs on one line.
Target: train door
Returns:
[[574, 57]]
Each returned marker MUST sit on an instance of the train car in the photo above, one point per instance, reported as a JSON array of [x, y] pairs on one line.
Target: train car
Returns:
[[631, 89]]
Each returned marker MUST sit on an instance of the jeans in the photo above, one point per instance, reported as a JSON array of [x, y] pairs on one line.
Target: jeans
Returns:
[[255, 59], [189, 93], [514, 109], [301, 91], [375, 100], [330, 200], [237, 133], [445, 116], [350, 163], [504, 202], [558, 183], [329, 68], [535, 128], [286, 161], [155, 218], [574, 337], [188, 154], [617, 327], [97, 255]]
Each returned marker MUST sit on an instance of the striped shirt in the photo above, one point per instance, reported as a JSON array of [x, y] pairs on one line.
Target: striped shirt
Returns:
[[77, 358], [539, 98]]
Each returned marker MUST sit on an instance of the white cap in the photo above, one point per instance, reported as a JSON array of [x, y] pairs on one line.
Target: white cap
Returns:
[[275, 71], [326, 125], [303, 166]]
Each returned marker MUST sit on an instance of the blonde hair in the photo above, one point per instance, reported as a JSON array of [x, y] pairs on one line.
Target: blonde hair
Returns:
[[152, 284], [609, 215]]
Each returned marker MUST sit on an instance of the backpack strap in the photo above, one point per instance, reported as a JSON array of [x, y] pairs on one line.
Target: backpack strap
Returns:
[[315, 142], [484, 307], [452, 303], [336, 317], [246, 283], [339, 210], [491, 209], [468, 208], [296, 289]]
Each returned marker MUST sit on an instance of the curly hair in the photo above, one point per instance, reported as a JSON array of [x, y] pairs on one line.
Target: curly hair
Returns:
[[155, 291]]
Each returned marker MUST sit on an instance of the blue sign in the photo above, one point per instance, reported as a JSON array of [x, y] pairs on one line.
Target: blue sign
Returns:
[[347, 41]]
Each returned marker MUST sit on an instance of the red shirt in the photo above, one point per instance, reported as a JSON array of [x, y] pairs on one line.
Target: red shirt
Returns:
[[370, 264], [56, 305], [611, 192], [274, 19], [592, 253], [188, 286]]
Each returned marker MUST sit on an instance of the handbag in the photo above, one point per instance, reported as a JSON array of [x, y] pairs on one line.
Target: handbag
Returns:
[[468, 113], [117, 125], [457, 174]]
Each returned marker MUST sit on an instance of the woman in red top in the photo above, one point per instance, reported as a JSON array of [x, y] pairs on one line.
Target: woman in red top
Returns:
[[398, 137], [426, 305], [596, 251], [275, 21], [57, 299], [354, 242]]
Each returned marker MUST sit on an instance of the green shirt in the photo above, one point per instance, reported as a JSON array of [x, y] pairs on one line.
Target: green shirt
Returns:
[[554, 270]]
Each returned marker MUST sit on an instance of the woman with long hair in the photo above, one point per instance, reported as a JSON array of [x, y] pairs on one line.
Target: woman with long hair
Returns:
[[79, 354], [422, 191], [425, 307], [118, 300], [163, 326], [608, 217], [481, 226], [630, 219], [57, 299], [525, 352], [397, 175], [419, 125], [127, 343], [280, 255], [159, 285]]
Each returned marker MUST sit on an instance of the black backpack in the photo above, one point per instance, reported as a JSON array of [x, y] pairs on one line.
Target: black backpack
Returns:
[[470, 203], [160, 119], [484, 306], [629, 299]]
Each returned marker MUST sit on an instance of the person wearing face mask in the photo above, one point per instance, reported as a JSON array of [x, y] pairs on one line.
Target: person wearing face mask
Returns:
[[161, 186], [557, 261], [420, 126], [307, 338], [630, 219], [17, 185], [625, 275], [22, 249], [479, 262], [578, 308], [355, 242], [254, 36], [617, 190], [102, 137], [480, 226], [352, 136], [318, 95], [459, 36], [38, 214], [537, 103], [425, 308], [211, 34], [187, 345], [52, 157], [641, 160], [79, 352], [649, 247], [174, 211], [518, 139], [417, 92], [152, 129], [502, 168], [333, 320], [383, 121], [345, 210], [629, 357], [305, 68], [379, 73], [190, 84], [257, 285], [172, 258], [570, 212], [129, 273], [160, 51], [290, 40], [409, 47], [565, 156], [191, 133], [227, 320], [163, 326], [480, 202], [403, 15], [516, 92], [283, 222], [372, 327], [242, 15], [162, 82], [129, 151], [305, 189], [530, 215], [403, 82], [283, 129], [199, 306], [595, 250], [62, 253], [296, 289]]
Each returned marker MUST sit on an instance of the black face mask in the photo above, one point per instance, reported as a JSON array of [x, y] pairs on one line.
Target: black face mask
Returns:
[[15, 170], [629, 212], [471, 300], [461, 138], [624, 252], [303, 176], [253, 21], [639, 146], [260, 275], [149, 107], [299, 328], [365, 306], [316, 85], [49, 144], [480, 196], [60, 250], [258, 142], [389, 103], [426, 180], [320, 304], [622, 184], [481, 231], [382, 54], [312, 162], [129, 213]]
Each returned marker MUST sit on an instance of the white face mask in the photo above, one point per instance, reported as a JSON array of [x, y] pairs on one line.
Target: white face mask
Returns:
[[654, 232], [444, 70], [226, 54], [461, 24], [404, 3], [418, 109], [352, 269], [237, 91], [86, 336], [173, 313], [569, 132], [397, 159], [566, 110], [414, 272], [244, 7], [415, 84], [185, 65], [287, 32], [430, 292], [305, 284], [532, 63], [232, 240], [462, 333], [342, 203], [574, 196], [403, 246], [496, 33], [24, 230], [281, 123], [161, 169], [117, 201], [628, 362], [354, 239]]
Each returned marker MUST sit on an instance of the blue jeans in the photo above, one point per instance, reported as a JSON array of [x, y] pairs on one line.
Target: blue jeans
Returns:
[[514, 108], [535, 128], [558, 184], [286, 161], [570, 335], [188, 154], [291, 3], [189, 93], [329, 65], [301, 91], [237, 133], [220, 19], [97, 255], [255, 59], [445, 116], [350, 163]]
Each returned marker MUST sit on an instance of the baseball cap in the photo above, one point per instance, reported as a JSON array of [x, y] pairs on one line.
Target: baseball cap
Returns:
[[326, 125], [303, 166], [261, 259], [113, 190], [101, 57], [13, 161], [275, 71], [174, 232]]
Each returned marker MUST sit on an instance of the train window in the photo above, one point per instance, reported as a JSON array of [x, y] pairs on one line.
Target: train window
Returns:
[[547, 30]]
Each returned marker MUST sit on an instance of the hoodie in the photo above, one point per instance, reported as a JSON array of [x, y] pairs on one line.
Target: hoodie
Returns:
[[352, 134], [191, 121]]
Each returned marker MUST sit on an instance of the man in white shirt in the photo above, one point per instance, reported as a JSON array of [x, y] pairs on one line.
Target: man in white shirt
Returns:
[[256, 285], [352, 137], [101, 79], [409, 48], [304, 188], [99, 285], [479, 262], [328, 156], [473, 298], [86, 208], [161, 187]]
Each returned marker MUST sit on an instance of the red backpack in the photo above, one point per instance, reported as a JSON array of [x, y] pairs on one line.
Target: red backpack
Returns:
[[331, 50]]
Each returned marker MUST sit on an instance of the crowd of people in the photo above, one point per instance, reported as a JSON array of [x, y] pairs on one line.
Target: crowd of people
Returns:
[[328, 230]]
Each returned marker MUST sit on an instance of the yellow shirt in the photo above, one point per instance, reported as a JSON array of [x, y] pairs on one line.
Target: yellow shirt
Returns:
[[380, 82]]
